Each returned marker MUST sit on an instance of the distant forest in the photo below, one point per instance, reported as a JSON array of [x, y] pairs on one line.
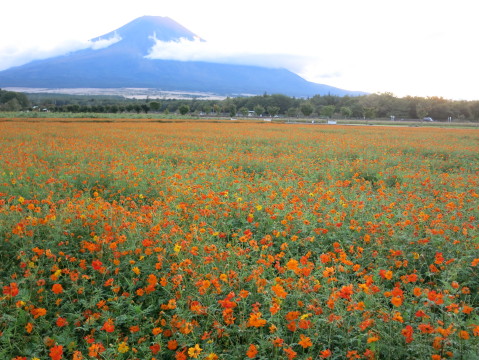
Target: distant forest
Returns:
[[372, 106]]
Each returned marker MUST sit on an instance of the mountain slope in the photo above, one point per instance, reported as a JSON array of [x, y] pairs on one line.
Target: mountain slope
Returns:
[[123, 64]]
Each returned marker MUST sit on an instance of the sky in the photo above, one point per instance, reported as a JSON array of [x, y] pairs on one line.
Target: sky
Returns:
[[409, 47]]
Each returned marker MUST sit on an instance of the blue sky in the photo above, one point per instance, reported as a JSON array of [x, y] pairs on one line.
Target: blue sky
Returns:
[[409, 47]]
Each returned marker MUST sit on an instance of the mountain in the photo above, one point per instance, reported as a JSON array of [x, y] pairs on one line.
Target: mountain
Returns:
[[122, 64]]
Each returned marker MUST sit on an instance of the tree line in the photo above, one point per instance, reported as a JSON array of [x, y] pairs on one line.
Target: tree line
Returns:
[[372, 106], [13, 101]]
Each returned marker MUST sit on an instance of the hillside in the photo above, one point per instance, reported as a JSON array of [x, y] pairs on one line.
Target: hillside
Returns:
[[123, 64]]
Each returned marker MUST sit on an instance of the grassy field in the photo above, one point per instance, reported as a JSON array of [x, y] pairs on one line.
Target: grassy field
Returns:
[[238, 241]]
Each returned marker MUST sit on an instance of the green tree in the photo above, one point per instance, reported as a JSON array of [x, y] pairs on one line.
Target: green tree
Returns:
[[207, 108], [369, 112], [233, 110], [11, 105], [155, 105], [273, 110], [328, 111], [259, 110], [346, 112], [13, 100], [306, 109], [292, 112], [184, 109]]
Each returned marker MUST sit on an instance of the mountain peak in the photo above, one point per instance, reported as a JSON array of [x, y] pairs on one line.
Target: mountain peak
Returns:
[[140, 34], [119, 59]]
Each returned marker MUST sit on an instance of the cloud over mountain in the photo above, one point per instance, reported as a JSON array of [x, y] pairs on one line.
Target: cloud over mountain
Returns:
[[157, 52], [199, 50]]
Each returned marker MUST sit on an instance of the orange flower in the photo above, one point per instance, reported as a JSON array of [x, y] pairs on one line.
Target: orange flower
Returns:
[[396, 301], [345, 292], [29, 327], [134, 328], [11, 290], [108, 326], [279, 291], [373, 338], [155, 348], [56, 352], [252, 351], [57, 288], [172, 345], [386, 274], [290, 353], [426, 328], [325, 354], [38, 312], [96, 264], [255, 320], [292, 264], [407, 332], [61, 322], [274, 308], [292, 315], [77, 355], [95, 349], [305, 341]]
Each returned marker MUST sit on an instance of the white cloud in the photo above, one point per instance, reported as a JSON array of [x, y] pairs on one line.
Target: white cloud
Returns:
[[225, 53], [20, 53], [104, 43]]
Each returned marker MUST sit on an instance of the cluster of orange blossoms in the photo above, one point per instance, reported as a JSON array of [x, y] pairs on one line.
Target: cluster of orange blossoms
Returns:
[[220, 241]]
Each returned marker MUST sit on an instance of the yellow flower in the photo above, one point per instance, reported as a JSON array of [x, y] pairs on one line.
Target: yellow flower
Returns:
[[136, 270], [177, 248], [194, 351], [123, 347]]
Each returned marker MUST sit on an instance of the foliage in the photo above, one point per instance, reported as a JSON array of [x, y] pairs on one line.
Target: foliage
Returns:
[[184, 109], [306, 109], [207, 241], [13, 101], [381, 106]]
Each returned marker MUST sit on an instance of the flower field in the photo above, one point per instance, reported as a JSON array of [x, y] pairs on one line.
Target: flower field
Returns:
[[238, 241]]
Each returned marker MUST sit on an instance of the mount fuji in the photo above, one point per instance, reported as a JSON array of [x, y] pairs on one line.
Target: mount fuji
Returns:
[[120, 59]]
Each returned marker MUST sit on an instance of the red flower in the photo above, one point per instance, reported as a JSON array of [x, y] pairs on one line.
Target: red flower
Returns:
[[61, 322], [155, 348], [56, 352], [345, 292], [11, 290], [108, 326], [57, 288], [407, 333], [96, 264]]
